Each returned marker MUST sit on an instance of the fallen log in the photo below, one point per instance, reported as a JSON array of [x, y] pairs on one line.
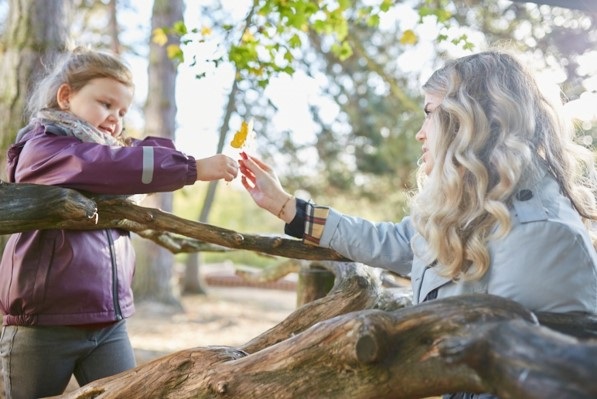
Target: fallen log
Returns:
[[474, 343]]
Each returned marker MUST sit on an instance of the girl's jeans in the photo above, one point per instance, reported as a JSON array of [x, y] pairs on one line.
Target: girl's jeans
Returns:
[[39, 361]]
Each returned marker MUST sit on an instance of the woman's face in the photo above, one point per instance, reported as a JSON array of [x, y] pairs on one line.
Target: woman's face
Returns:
[[426, 136], [102, 102]]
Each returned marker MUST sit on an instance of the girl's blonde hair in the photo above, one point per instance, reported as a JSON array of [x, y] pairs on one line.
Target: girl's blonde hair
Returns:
[[496, 132], [76, 68]]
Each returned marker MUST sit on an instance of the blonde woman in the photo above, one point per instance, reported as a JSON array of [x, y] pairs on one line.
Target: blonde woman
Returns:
[[505, 202]]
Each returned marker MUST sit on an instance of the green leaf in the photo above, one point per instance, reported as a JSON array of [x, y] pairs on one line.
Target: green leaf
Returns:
[[386, 5], [373, 20], [342, 50], [295, 41], [344, 4], [179, 28]]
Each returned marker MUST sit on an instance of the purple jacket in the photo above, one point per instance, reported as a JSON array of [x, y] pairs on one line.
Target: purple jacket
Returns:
[[71, 277]]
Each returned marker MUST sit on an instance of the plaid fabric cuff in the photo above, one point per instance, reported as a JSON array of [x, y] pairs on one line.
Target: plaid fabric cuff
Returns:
[[314, 223]]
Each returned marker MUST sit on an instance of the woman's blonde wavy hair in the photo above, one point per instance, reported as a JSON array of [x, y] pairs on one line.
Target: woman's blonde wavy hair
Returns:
[[496, 132]]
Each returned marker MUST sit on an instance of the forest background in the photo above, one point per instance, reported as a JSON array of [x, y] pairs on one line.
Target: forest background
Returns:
[[333, 89]]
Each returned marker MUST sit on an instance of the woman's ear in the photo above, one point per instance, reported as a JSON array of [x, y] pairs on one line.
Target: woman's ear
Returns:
[[63, 96]]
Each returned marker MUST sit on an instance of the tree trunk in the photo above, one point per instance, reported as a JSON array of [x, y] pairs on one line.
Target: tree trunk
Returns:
[[192, 283], [153, 280], [314, 282], [113, 27], [35, 32]]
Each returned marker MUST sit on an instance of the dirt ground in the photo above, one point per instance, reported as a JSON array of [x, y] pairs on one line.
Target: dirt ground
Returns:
[[225, 316]]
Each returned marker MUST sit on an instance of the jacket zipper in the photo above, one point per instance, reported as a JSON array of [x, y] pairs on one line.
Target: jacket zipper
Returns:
[[429, 266], [117, 309]]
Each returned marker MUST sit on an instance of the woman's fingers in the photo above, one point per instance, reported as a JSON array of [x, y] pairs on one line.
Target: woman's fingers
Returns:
[[244, 170], [260, 164], [246, 184]]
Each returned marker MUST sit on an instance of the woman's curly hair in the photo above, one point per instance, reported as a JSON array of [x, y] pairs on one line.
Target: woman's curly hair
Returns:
[[496, 132]]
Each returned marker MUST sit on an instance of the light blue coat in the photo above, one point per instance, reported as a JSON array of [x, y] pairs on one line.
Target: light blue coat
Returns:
[[546, 262]]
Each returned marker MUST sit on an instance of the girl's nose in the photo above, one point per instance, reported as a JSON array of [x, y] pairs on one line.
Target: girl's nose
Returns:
[[113, 117]]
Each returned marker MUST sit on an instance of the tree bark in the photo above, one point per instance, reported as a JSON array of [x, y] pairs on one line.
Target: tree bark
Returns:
[[30, 206], [474, 343], [35, 32], [314, 282]]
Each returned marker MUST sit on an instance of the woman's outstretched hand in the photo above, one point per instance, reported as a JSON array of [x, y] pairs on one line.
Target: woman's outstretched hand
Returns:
[[263, 185]]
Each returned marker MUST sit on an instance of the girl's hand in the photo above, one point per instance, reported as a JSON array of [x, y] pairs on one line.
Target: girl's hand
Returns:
[[260, 180], [216, 167]]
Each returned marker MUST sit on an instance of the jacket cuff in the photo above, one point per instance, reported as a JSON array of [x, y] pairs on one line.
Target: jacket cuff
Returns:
[[308, 223], [296, 228], [192, 171], [315, 222]]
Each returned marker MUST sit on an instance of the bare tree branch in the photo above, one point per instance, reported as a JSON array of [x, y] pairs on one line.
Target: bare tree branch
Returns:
[[28, 206]]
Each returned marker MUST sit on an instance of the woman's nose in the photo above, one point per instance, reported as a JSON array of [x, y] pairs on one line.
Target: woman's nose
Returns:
[[420, 136]]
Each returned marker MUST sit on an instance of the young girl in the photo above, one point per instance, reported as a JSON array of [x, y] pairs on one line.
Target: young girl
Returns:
[[65, 294], [506, 202]]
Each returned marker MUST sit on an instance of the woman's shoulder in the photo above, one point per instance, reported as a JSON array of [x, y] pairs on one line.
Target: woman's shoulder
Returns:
[[545, 225], [547, 261], [543, 203]]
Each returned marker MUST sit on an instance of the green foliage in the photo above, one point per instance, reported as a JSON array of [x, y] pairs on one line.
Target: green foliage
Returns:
[[272, 39]]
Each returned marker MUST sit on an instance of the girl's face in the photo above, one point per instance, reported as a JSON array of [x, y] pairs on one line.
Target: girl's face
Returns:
[[427, 134], [102, 102]]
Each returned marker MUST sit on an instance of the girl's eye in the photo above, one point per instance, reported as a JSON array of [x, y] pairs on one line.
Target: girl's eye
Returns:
[[105, 104]]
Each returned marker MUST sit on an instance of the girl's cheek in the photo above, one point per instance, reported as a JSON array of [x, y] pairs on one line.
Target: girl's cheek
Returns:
[[118, 131]]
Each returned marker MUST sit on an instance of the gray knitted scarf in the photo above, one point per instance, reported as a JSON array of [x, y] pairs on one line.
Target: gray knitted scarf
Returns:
[[71, 126]]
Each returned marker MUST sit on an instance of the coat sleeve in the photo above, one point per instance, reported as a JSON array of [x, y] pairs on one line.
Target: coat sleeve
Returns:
[[147, 166], [385, 245]]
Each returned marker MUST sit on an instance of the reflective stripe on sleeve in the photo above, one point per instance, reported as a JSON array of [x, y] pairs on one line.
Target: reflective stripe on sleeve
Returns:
[[147, 175]]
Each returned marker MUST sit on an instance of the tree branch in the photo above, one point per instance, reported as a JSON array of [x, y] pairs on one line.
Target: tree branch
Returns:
[[32, 207]]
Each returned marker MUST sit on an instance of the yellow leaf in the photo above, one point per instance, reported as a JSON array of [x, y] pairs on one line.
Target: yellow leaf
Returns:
[[409, 37], [248, 37], [174, 51], [160, 37], [240, 137]]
